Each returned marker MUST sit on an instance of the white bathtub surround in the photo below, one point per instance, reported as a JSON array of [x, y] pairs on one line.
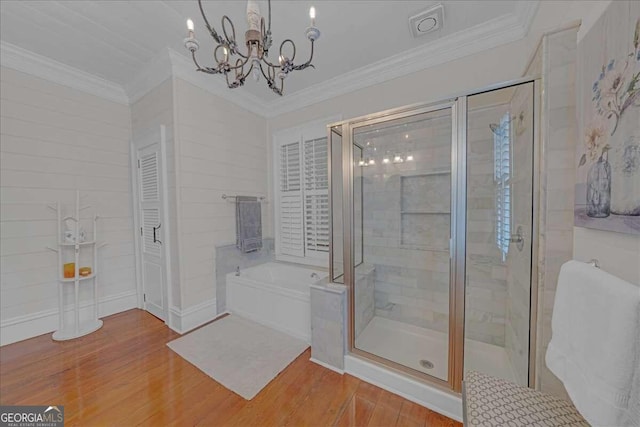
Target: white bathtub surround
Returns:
[[408, 345], [276, 295], [229, 257], [595, 344], [328, 325], [238, 353]]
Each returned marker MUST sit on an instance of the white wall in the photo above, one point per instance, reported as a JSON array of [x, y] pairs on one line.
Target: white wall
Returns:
[[618, 254], [220, 149], [55, 140]]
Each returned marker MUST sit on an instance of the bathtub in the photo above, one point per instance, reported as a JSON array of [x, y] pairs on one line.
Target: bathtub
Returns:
[[275, 295]]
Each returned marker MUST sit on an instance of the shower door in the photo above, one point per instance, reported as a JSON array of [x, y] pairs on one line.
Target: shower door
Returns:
[[499, 233], [401, 172], [433, 233]]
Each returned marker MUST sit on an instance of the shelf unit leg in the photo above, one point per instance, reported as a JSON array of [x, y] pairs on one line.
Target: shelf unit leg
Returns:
[[95, 268], [60, 272], [76, 282]]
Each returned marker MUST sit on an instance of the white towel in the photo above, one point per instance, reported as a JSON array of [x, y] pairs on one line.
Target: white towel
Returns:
[[595, 344]]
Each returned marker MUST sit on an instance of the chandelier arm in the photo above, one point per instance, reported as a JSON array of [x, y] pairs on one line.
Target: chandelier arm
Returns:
[[236, 83], [293, 45], [240, 54], [263, 73], [231, 41], [235, 67], [249, 70], [266, 61], [308, 63], [212, 30], [271, 83], [207, 70]]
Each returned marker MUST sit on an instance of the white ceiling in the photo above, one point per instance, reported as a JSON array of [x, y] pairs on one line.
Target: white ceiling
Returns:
[[116, 39]]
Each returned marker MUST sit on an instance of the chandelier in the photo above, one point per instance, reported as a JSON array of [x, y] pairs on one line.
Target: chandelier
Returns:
[[231, 62]]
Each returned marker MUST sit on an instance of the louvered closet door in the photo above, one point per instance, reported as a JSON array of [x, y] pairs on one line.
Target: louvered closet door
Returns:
[[290, 203], [150, 210], [316, 197]]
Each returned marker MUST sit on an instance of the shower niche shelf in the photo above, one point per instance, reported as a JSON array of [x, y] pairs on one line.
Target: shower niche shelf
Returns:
[[425, 211]]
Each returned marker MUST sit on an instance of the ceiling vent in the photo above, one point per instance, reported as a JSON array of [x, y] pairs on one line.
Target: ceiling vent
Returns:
[[427, 21]]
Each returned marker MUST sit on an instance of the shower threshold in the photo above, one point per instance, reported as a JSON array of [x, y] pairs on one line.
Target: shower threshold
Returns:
[[410, 345]]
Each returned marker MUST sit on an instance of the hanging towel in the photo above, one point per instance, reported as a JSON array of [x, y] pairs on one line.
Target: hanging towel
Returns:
[[595, 344], [248, 224]]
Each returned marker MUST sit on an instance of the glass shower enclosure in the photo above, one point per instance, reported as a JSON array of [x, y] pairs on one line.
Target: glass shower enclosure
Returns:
[[433, 219]]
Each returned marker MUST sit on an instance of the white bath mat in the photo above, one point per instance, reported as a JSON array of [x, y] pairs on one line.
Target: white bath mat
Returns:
[[240, 354]]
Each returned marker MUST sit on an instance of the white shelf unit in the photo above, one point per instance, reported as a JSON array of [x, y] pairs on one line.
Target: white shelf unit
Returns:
[[78, 327]]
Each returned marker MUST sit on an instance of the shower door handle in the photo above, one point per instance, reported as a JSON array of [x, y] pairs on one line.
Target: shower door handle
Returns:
[[518, 238]]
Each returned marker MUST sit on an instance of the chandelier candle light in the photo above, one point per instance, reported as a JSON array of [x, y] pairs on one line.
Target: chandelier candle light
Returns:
[[258, 41]]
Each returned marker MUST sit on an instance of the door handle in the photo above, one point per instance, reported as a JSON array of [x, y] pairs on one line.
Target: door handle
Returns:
[[155, 239], [518, 238]]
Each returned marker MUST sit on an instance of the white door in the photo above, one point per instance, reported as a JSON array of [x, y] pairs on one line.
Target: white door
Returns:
[[152, 230]]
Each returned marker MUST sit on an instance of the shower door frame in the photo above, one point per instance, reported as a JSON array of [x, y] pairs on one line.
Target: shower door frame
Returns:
[[458, 224]]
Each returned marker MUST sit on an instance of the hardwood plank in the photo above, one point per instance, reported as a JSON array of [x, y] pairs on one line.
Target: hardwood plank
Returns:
[[412, 414], [124, 374], [383, 416], [356, 413]]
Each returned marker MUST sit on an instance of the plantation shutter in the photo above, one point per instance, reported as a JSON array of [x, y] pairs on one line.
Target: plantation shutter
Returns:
[[290, 208], [502, 172], [316, 197]]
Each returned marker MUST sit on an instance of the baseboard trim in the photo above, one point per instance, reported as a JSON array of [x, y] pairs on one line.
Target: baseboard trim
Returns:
[[435, 399], [32, 325], [326, 365], [183, 321]]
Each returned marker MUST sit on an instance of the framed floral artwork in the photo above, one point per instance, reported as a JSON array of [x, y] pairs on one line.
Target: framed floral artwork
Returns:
[[607, 193]]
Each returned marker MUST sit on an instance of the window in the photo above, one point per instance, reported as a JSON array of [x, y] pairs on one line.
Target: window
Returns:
[[502, 171], [302, 195]]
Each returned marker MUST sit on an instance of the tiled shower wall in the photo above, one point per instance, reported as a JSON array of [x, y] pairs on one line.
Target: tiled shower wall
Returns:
[[364, 297], [410, 249], [556, 62], [486, 291], [411, 284]]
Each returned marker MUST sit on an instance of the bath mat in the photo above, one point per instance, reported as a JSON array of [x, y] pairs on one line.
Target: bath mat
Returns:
[[242, 355]]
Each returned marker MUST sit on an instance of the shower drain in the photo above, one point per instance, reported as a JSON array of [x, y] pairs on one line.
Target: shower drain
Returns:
[[426, 364]]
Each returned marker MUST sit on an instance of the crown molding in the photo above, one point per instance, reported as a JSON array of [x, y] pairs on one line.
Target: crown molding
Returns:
[[526, 11], [49, 69], [498, 31]]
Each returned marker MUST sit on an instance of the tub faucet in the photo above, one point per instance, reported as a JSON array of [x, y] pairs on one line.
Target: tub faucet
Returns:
[[314, 275], [237, 270]]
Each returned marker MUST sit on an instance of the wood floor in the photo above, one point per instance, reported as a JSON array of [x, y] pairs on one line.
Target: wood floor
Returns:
[[124, 375]]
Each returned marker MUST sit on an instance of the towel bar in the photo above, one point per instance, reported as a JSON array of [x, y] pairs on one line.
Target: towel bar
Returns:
[[225, 197]]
